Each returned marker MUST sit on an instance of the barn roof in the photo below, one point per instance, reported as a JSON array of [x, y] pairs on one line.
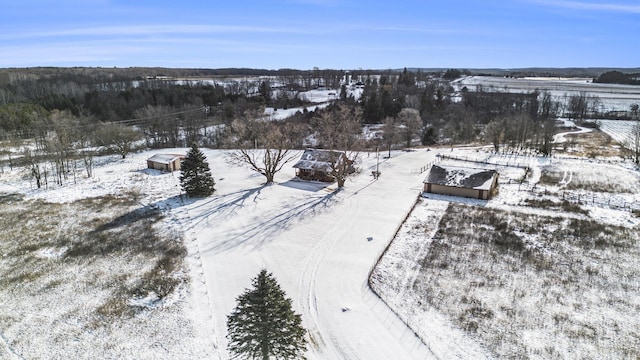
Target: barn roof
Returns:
[[318, 159], [164, 158], [470, 178]]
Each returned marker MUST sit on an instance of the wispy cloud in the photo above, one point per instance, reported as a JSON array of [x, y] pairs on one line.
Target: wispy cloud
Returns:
[[122, 50], [138, 30], [411, 29], [150, 30], [330, 3], [581, 5]]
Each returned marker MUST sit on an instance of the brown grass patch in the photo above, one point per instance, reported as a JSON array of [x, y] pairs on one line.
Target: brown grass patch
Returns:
[[504, 277], [591, 144]]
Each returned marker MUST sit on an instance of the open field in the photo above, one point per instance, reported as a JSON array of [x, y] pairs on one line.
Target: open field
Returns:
[[619, 130], [594, 144], [613, 97], [101, 273], [524, 285]]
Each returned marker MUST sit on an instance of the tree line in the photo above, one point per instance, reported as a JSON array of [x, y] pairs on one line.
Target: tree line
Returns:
[[71, 119], [618, 77]]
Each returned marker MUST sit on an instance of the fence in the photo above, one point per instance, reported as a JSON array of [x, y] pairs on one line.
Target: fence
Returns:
[[511, 161], [604, 200], [594, 199], [422, 169], [395, 233]]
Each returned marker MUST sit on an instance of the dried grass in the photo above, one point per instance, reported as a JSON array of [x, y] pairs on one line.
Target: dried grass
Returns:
[[506, 277]]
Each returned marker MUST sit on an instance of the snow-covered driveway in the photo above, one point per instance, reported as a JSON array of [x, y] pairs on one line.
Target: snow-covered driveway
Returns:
[[320, 245]]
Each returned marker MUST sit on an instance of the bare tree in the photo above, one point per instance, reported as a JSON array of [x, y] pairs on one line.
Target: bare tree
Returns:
[[634, 139], [59, 145], [338, 129], [411, 121], [34, 164], [193, 122], [390, 133], [548, 108], [580, 105], [548, 130], [83, 134], [119, 138], [634, 111], [159, 125], [264, 146], [495, 132]]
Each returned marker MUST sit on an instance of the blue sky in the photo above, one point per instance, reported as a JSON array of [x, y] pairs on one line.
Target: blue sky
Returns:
[[337, 34]]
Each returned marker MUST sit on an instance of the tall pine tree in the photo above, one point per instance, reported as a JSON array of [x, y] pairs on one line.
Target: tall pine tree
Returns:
[[263, 323], [196, 179]]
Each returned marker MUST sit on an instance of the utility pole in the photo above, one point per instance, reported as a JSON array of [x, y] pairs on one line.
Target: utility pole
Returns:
[[377, 164]]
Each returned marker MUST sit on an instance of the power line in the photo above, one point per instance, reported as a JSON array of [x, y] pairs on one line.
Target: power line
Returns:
[[127, 122]]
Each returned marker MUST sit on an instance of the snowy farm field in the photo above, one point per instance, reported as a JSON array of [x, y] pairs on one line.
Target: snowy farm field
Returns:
[[620, 130], [613, 97]]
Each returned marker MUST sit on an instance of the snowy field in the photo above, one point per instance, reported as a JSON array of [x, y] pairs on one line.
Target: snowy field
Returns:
[[619, 130], [321, 245], [321, 99], [522, 285], [613, 97]]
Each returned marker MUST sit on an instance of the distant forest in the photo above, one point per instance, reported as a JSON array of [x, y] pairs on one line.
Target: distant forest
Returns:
[[618, 77]]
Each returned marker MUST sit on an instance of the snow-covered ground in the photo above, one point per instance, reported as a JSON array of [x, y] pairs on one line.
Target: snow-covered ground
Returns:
[[321, 245], [619, 130], [315, 241], [613, 97], [313, 238], [397, 276], [561, 137], [320, 98]]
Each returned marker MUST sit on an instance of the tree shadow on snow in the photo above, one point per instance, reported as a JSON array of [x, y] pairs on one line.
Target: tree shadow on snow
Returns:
[[264, 229], [154, 172], [221, 206], [312, 186]]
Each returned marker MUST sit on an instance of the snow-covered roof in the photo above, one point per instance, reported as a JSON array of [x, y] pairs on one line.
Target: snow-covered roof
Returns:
[[470, 178], [164, 158], [318, 159]]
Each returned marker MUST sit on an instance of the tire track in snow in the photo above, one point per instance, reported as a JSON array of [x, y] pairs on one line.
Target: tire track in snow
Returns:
[[333, 289], [307, 285], [567, 177], [7, 346], [179, 216]]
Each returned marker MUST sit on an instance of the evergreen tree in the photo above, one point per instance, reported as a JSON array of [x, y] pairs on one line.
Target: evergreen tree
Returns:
[[263, 323], [196, 179]]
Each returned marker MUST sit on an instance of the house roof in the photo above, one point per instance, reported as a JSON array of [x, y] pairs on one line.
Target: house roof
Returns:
[[318, 159], [164, 158], [470, 178]]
